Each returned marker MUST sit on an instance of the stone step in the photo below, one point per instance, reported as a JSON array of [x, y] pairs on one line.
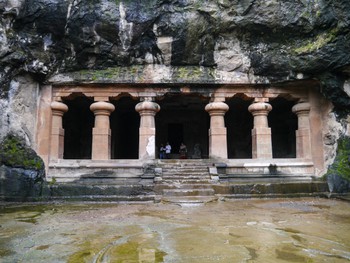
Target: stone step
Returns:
[[103, 198], [271, 189], [186, 181], [189, 192], [188, 166], [178, 185], [189, 200], [185, 176], [185, 171], [74, 190]]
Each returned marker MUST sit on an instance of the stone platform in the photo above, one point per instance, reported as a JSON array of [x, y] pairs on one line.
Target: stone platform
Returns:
[[177, 181]]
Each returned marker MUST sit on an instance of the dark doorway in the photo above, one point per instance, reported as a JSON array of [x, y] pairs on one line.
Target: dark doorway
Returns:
[[125, 123], [78, 123], [239, 124], [175, 136], [283, 123], [183, 118]]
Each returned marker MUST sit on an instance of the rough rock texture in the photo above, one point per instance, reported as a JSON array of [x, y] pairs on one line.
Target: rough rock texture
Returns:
[[277, 39], [338, 175], [274, 40], [18, 110], [21, 170]]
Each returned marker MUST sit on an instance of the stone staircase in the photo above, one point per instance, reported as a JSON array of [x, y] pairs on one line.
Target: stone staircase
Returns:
[[185, 181]]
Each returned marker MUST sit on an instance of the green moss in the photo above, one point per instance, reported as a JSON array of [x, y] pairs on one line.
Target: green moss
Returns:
[[14, 153], [341, 165], [318, 42]]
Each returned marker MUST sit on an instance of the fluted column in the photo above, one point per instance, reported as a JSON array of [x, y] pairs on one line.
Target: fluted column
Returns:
[[217, 131], [303, 142], [57, 131], [261, 133], [147, 136], [101, 133]]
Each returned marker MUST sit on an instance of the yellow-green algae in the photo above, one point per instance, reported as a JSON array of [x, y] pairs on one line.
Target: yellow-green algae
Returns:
[[317, 42]]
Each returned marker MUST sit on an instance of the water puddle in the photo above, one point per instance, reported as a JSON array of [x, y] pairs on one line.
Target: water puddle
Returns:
[[278, 230]]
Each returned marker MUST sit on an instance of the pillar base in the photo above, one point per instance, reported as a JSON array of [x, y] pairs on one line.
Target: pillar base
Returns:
[[147, 143], [303, 143], [218, 143], [57, 143], [261, 143], [101, 144]]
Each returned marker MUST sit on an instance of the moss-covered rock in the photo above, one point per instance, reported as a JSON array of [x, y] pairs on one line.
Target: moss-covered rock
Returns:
[[21, 171], [14, 153], [338, 175]]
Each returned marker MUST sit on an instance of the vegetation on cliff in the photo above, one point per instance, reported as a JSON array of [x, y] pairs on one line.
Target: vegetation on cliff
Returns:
[[14, 153], [341, 165]]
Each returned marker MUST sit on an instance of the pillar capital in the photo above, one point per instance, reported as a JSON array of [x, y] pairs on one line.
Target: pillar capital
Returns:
[[260, 108], [147, 106], [102, 108], [217, 108], [58, 108], [301, 108]]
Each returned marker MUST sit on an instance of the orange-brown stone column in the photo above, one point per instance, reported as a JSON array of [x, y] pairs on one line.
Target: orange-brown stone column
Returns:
[[261, 133], [101, 133], [147, 140], [217, 131], [303, 142], [57, 131]]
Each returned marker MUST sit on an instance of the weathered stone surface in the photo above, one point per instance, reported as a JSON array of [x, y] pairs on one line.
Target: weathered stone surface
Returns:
[[338, 176], [21, 170], [18, 184], [18, 110], [277, 40]]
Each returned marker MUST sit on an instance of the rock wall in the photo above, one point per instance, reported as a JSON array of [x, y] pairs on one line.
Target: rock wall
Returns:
[[19, 109], [263, 39]]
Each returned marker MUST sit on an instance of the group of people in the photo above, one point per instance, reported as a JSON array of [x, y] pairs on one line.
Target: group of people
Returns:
[[165, 151]]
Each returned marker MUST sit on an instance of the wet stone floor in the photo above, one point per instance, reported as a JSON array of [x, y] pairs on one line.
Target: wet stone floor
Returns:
[[255, 230]]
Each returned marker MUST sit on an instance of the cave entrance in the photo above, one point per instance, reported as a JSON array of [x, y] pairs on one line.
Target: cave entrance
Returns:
[[175, 135], [239, 124], [125, 123], [283, 123], [78, 123], [182, 118]]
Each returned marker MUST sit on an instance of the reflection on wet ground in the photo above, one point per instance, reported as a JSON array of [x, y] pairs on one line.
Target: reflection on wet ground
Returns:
[[272, 230]]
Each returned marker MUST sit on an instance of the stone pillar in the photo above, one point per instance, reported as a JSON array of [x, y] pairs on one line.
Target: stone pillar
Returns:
[[303, 142], [261, 133], [57, 131], [101, 133], [147, 137], [217, 131]]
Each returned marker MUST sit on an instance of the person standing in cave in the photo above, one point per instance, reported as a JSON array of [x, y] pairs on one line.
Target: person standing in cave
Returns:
[[162, 151], [167, 150], [183, 151]]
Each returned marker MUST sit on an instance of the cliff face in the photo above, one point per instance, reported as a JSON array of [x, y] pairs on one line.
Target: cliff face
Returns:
[[267, 39], [277, 39]]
